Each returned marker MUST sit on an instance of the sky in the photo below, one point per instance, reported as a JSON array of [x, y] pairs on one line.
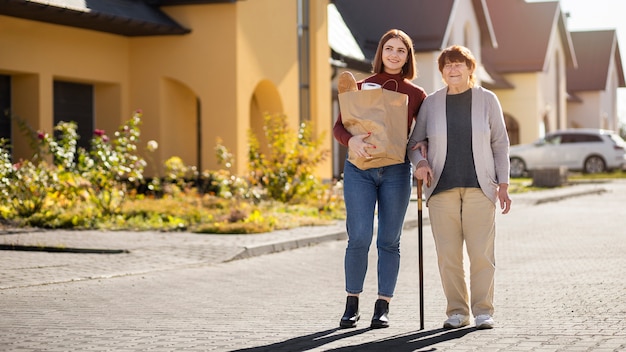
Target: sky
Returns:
[[595, 15]]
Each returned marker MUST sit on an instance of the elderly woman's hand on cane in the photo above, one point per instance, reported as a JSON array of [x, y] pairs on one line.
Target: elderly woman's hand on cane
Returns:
[[424, 172]]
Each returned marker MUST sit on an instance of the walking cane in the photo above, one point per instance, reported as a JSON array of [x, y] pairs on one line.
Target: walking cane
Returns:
[[420, 249]]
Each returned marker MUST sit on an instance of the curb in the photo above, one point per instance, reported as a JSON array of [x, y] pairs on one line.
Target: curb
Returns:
[[269, 248], [569, 195], [279, 246], [262, 249]]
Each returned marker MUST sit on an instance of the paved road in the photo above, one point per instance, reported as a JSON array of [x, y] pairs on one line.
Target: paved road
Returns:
[[560, 286]]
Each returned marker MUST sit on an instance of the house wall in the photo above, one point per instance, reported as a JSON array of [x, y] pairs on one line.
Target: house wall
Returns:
[[554, 82], [610, 114], [585, 115], [463, 30], [539, 100], [239, 62], [548, 96], [599, 109], [428, 76], [524, 105], [230, 53], [247, 71], [41, 53], [320, 82]]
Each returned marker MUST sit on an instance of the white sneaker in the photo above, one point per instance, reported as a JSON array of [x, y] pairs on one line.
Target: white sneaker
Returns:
[[456, 321], [484, 321]]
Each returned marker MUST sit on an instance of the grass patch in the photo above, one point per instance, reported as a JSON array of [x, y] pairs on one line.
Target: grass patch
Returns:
[[524, 184], [577, 176]]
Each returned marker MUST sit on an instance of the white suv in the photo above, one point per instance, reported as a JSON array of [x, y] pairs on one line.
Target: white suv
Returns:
[[586, 150]]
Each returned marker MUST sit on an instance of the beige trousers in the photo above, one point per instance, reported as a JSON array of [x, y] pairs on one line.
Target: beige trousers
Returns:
[[465, 215]]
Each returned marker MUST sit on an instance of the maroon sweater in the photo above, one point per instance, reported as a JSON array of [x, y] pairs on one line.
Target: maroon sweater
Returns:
[[416, 97]]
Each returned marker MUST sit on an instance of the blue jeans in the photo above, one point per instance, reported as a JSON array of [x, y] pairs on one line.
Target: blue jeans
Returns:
[[390, 187]]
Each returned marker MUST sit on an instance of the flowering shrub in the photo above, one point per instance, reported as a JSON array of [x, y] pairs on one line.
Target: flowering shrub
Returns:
[[29, 187], [178, 175], [64, 185], [117, 159], [223, 183], [78, 179], [286, 172], [6, 169]]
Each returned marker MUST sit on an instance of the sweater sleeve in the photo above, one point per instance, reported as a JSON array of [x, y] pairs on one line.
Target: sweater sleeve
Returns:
[[499, 140], [340, 133], [418, 135]]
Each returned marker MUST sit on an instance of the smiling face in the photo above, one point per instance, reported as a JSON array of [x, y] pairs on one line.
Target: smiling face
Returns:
[[456, 75], [457, 64], [394, 55]]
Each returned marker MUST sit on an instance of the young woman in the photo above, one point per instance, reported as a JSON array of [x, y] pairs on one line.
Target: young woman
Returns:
[[389, 187]]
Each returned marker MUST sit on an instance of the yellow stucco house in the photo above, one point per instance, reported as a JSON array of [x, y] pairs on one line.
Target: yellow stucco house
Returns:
[[198, 70], [207, 69]]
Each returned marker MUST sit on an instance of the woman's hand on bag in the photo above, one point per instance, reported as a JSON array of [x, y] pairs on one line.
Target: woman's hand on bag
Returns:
[[358, 145], [423, 147]]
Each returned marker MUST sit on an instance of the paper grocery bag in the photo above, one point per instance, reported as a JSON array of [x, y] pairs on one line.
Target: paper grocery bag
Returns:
[[382, 112]]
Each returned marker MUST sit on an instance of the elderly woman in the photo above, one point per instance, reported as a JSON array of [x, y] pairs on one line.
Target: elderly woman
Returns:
[[468, 163]]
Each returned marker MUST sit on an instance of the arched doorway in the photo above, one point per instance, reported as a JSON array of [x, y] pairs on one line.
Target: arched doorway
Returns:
[[512, 129], [180, 121], [265, 100]]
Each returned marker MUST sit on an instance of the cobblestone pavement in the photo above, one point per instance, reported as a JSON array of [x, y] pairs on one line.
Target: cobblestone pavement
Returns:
[[560, 286]]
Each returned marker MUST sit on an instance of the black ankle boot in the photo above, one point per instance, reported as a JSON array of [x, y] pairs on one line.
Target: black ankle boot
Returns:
[[351, 315], [380, 319]]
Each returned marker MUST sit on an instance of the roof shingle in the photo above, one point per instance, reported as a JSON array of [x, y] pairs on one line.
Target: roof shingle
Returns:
[[594, 50], [123, 17]]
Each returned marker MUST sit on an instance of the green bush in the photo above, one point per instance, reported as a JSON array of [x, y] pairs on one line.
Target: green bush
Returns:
[[286, 172], [99, 188], [94, 180]]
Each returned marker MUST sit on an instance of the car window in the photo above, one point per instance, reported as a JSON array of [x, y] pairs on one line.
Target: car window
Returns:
[[617, 140], [569, 138], [580, 138], [554, 139]]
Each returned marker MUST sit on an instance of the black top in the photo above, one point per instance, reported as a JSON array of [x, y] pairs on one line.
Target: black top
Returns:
[[459, 169]]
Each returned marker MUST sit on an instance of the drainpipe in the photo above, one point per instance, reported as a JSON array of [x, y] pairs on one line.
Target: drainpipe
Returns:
[[303, 59]]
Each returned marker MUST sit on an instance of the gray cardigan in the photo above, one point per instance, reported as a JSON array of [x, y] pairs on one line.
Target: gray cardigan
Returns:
[[490, 142]]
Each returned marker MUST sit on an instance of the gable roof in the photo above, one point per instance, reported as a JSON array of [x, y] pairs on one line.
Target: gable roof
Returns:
[[524, 31], [345, 52], [122, 17], [594, 50], [425, 21]]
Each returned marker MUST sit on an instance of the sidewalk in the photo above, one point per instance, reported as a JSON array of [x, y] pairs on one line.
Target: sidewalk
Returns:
[[221, 248], [559, 287]]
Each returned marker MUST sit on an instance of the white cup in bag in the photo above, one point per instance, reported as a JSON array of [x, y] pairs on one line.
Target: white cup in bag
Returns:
[[369, 85]]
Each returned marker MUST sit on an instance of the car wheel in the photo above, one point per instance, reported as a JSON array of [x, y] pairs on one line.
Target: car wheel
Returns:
[[518, 167], [593, 165]]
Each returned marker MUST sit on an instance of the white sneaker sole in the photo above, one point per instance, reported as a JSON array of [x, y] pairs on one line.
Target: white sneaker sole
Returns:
[[484, 326]]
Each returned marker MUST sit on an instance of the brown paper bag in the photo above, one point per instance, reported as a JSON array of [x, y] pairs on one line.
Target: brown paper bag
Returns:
[[382, 112]]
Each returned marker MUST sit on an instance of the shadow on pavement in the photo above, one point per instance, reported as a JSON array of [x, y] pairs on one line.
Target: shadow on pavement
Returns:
[[60, 249], [398, 343], [306, 342], [409, 342]]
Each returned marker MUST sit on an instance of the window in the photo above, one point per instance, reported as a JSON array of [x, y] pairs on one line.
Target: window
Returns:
[[5, 107], [74, 102]]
